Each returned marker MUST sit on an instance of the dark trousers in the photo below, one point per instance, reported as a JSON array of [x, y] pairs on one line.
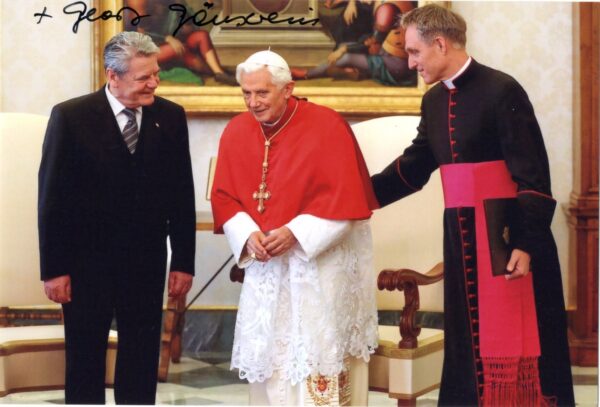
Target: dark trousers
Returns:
[[130, 288]]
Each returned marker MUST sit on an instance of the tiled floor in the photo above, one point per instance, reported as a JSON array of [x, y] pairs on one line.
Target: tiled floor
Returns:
[[210, 382]]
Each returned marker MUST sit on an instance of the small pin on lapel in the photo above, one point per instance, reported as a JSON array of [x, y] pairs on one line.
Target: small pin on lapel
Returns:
[[156, 124]]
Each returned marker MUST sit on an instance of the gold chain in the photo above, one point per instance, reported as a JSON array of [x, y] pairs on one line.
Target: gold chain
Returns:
[[262, 194]]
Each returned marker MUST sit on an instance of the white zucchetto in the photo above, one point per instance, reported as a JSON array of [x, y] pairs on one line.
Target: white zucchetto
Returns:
[[269, 58]]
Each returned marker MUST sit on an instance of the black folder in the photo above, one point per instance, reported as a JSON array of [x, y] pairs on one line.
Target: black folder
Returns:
[[501, 216]]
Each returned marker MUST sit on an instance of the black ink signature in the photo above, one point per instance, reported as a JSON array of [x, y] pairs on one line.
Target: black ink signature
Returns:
[[198, 18], [80, 8], [42, 15]]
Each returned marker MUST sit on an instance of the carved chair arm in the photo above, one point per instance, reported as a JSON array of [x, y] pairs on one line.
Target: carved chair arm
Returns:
[[409, 281]]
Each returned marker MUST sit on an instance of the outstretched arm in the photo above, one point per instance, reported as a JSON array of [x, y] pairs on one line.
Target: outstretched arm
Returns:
[[408, 173]]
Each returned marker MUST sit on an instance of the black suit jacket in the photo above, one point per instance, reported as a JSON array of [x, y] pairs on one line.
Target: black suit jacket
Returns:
[[96, 199]]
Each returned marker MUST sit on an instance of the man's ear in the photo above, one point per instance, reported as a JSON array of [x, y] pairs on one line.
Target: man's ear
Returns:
[[289, 89], [441, 44], [111, 77]]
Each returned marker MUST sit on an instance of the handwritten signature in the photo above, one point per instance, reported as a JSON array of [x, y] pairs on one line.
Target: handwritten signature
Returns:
[[80, 8], [199, 18]]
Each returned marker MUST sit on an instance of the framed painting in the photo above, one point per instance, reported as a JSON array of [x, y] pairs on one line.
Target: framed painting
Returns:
[[345, 54]]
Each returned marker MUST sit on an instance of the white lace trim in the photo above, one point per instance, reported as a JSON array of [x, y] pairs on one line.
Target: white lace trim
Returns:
[[303, 317]]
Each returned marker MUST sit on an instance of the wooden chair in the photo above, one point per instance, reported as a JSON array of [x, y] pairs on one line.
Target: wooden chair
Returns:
[[408, 361], [409, 281], [171, 337], [31, 357]]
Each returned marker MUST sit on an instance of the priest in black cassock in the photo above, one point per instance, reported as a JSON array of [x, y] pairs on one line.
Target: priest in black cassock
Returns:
[[504, 312]]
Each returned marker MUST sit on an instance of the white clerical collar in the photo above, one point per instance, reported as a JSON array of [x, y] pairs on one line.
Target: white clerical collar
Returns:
[[116, 106], [450, 82]]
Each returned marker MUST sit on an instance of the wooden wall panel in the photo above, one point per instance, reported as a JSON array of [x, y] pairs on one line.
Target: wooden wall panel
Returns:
[[583, 206]]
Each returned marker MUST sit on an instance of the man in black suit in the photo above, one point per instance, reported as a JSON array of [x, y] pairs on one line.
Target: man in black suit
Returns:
[[109, 195]]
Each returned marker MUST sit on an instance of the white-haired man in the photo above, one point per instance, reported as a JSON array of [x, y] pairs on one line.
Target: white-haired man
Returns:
[[114, 181], [293, 196]]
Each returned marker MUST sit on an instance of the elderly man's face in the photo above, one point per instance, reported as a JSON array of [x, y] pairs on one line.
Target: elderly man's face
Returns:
[[263, 99], [136, 87]]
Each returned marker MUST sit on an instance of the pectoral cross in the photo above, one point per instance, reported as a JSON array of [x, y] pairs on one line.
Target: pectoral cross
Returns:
[[262, 192], [261, 195]]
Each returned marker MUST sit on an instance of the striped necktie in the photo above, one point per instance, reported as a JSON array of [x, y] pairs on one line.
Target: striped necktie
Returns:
[[130, 131]]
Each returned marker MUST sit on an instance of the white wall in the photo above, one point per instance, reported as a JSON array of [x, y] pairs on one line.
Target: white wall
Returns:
[[533, 41], [43, 64]]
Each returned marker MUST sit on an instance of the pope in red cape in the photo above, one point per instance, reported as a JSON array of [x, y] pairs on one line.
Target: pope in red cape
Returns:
[[293, 196], [315, 167]]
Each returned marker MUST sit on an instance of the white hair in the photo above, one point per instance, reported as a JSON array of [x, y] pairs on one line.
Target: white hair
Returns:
[[119, 50]]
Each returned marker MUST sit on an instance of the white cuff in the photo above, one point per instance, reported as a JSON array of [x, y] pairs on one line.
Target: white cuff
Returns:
[[316, 235], [237, 230]]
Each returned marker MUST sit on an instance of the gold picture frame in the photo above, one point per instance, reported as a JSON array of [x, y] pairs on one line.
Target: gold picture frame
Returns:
[[351, 101]]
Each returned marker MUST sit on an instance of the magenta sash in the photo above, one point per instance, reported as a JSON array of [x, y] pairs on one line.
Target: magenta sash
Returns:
[[507, 323]]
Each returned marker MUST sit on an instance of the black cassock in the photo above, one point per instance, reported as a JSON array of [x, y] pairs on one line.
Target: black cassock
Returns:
[[487, 118]]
